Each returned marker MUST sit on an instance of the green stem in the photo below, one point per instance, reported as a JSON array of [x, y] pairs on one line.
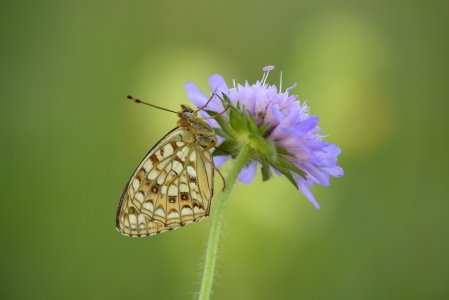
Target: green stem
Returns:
[[214, 236]]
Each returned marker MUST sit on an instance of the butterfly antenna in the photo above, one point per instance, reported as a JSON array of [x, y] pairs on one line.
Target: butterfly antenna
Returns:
[[140, 101]]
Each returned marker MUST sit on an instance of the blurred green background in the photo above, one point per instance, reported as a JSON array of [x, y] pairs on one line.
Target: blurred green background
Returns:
[[375, 72]]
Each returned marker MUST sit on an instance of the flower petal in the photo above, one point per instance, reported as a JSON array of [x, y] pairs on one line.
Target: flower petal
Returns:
[[315, 175], [195, 94], [292, 87], [306, 191], [247, 175], [276, 113], [335, 171], [218, 84], [307, 125], [220, 160]]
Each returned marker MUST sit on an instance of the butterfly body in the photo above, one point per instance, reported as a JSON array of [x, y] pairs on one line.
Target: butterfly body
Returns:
[[173, 185], [203, 133]]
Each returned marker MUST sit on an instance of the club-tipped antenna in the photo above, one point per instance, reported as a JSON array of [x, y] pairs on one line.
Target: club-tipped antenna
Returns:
[[140, 101]]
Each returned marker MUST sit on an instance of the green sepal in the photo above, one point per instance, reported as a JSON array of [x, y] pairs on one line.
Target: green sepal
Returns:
[[230, 146], [237, 120], [224, 124], [290, 177], [285, 168], [266, 173], [263, 129], [282, 151], [221, 132], [283, 164], [262, 146], [252, 123]]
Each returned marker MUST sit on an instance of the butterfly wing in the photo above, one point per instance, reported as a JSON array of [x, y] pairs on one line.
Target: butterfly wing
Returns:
[[171, 187]]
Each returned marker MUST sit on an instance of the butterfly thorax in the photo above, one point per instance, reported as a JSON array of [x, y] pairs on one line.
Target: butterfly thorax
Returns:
[[202, 132]]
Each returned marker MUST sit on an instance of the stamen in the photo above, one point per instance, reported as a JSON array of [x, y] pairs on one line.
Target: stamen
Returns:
[[303, 105], [268, 68], [263, 78], [233, 82], [280, 84], [265, 75]]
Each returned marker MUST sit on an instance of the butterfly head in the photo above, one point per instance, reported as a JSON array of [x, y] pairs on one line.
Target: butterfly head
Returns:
[[186, 113]]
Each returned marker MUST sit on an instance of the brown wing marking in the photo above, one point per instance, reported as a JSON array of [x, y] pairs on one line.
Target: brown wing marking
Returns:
[[134, 214]]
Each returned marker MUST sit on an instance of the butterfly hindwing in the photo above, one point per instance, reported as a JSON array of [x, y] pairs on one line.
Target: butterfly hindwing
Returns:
[[172, 186]]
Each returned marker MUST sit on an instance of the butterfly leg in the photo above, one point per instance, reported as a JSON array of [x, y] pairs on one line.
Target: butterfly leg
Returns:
[[223, 150], [212, 164], [213, 117], [207, 103]]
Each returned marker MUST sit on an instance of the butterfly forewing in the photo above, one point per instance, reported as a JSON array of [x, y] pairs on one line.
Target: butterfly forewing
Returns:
[[172, 186]]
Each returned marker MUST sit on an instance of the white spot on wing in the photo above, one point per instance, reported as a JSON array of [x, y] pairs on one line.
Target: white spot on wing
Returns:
[[183, 188], [191, 171], [173, 191], [163, 190], [183, 153], [147, 165], [148, 206], [192, 156], [177, 167], [152, 175], [160, 212], [186, 211], [141, 220], [136, 184], [198, 210], [140, 197], [168, 150], [133, 221], [161, 178], [173, 214]]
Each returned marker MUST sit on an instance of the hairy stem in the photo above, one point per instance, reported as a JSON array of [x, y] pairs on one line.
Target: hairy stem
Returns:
[[214, 235]]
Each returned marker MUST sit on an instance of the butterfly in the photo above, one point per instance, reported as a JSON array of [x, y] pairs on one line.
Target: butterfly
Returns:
[[174, 184]]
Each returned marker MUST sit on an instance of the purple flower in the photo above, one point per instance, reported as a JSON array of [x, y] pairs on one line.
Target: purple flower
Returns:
[[290, 127]]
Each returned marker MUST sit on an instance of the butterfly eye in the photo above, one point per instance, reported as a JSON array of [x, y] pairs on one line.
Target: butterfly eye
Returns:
[[186, 114]]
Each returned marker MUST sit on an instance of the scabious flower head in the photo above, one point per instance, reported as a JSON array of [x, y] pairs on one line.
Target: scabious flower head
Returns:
[[284, 136]]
